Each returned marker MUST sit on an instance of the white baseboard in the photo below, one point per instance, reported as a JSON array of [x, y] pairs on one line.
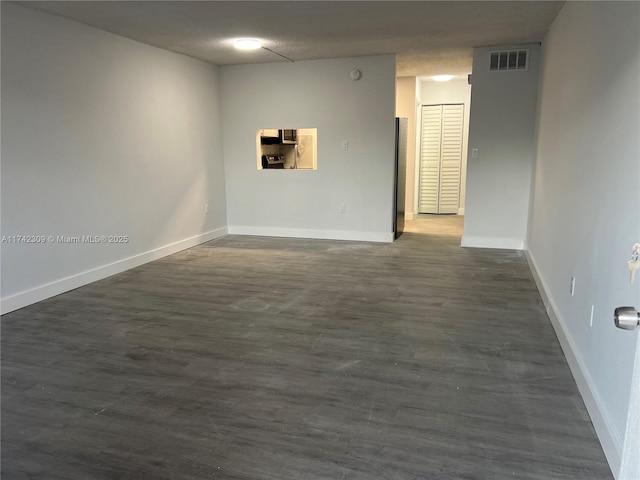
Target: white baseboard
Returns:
[[312, 233], [51, 289], [461, 211], [492, 242], [606, 431]]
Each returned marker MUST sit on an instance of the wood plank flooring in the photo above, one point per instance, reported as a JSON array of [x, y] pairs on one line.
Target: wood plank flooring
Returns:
[[268, 358], [437, 229]]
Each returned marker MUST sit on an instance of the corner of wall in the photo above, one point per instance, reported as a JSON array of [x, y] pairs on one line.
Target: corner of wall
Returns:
[[57, 287], [148, 169], [499, 176]]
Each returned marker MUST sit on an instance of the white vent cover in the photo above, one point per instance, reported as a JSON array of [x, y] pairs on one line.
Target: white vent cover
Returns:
[[509, 60]]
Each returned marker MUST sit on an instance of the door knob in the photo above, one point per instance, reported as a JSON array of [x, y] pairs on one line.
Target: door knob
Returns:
[[626, 318]]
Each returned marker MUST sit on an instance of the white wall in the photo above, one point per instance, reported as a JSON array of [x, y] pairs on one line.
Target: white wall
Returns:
[[586, 200], [454, 91], [101, 136], [312, 94], [502, 128], [406, 107]]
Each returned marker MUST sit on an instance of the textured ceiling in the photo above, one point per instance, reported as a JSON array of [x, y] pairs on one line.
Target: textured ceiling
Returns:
[[429, 37]]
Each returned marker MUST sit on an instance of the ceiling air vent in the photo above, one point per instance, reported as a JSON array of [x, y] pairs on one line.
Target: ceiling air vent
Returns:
[[510, 60]]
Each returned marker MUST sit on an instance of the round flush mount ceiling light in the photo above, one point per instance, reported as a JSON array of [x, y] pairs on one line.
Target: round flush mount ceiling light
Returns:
[[442, 78], [247, 44]]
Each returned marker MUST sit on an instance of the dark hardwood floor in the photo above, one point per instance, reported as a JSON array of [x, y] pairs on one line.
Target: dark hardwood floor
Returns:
[[269, 358]]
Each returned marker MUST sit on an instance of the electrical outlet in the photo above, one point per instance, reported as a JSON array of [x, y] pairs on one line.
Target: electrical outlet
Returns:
[[206, 208], [474, 153], [342, 208], [573, 286], [345, 145]]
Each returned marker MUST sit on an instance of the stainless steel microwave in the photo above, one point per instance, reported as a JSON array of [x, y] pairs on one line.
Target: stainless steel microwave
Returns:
[[289, 136]]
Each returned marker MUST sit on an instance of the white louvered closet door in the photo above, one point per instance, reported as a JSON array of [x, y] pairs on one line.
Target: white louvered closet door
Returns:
[[430, 159], [440, 158]]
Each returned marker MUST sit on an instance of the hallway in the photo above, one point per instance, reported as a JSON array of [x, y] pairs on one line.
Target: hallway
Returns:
[[437, 229]]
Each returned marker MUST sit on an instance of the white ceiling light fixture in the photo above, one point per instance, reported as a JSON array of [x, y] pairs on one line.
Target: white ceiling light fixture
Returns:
[[255, 44], [247, 44], [442, 78]]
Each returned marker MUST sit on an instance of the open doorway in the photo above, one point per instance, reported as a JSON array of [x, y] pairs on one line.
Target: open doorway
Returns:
[[433, 206]]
